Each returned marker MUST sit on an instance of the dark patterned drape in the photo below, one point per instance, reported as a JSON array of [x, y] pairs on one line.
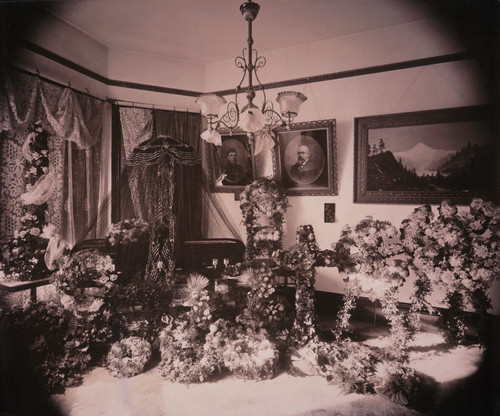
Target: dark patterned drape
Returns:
[[185, 127], [133, 127], [152, 181]]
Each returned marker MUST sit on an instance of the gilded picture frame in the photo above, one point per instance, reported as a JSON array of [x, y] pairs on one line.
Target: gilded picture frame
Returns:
[[230, 165], [424, 157], [307, 158]]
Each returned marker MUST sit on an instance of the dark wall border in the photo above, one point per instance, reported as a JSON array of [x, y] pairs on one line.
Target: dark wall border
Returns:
[[280, 84], [363, 71]]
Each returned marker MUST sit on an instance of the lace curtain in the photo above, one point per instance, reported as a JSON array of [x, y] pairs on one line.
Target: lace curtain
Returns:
[[74, 122]]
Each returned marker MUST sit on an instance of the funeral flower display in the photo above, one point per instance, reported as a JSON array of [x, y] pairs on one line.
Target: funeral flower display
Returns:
[[263, 197], [22, 255], [368, 254], [44, 348], [127, 357], [455, 251], [181, 340], [86, 276], [127, 232], [249, 354], [302, 258], [84, 281]]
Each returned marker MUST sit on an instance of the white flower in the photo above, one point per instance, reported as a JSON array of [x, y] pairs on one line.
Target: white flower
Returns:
[[95, 305], [67, 301]]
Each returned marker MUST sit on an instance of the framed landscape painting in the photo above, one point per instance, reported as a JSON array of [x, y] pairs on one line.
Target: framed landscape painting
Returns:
[[424, 157], [306, 158]]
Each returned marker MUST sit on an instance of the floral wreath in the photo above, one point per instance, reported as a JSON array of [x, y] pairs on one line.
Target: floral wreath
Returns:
[[127, 357], [85, 278], [263, 196]]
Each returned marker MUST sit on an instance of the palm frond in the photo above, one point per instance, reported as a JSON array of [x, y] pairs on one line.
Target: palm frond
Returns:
[[196, 283]]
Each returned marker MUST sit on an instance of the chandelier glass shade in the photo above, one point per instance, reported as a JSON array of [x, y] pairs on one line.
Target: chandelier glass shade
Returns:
[[250, 118]]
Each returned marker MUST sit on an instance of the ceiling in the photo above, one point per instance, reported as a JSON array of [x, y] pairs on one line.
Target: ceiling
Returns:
[[214, 30]]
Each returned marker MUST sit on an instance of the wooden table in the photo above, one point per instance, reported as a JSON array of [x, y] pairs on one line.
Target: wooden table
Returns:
[[18, 286]]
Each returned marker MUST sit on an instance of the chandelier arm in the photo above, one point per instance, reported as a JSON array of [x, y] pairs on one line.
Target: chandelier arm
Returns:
[[241, 62], [231, 117], [273, 118], [260, 61]]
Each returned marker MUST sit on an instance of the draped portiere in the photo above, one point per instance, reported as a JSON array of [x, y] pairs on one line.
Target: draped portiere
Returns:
[[152, 181], [185, 127], [178, 182], [74, 122]]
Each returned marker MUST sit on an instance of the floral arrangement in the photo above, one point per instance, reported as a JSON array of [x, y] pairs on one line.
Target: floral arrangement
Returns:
[[263, 306], [36, 152], [262, 287], [242, 350], [86, 277], [83, 282], [351, 365], [182, 339], [193, 348], [250, 355], [368, 254], [263, 196], [137, 306], [127, 232], [197, 299], [181, 348], [302, 257], [456, 251], [127, 357], [43, 345], [22, 256]]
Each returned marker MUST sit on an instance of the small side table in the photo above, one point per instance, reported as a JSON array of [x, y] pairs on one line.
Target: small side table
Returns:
[[18, 286]]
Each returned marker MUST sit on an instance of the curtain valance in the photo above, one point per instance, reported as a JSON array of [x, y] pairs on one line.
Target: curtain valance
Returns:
[[74, 117], [69, 117]]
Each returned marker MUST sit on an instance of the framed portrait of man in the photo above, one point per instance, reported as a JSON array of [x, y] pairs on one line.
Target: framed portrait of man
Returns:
[[307, 153], [231, 163]]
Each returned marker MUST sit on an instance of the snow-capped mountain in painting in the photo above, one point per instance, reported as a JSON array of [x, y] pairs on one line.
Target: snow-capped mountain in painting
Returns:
[[424, 159]]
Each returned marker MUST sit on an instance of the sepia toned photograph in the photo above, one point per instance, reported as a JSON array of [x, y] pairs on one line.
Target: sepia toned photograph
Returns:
[[307, 158], [231, 167], [249, 208]]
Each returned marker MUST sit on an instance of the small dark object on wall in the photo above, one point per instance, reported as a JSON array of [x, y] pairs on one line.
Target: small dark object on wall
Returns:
[[329, 212]]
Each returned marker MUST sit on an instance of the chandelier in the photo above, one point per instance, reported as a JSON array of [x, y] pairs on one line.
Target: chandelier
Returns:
[[250, 118]]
